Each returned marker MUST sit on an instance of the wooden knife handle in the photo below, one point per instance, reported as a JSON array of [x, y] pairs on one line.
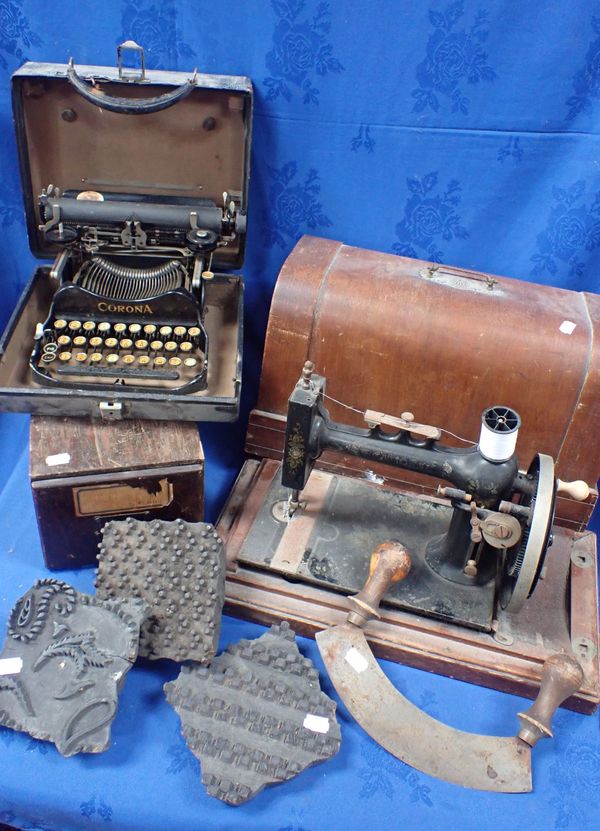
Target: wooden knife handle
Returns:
[[390, 563], [561, 677]]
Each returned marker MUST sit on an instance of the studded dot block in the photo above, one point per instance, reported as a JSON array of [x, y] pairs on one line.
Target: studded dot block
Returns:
[[178, 569], [256, 716]]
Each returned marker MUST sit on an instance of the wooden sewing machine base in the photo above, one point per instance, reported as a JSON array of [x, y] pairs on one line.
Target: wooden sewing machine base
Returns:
[[562, 615]]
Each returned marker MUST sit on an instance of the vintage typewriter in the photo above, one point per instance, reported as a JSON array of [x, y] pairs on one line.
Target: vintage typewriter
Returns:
[[140, 314], [131, 274]]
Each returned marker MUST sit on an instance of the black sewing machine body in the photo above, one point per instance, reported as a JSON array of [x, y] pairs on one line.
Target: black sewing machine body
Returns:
[[477, 550], [136, 186]]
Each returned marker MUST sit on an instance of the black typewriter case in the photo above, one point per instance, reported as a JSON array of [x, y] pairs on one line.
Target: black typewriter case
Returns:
[[168, 141]]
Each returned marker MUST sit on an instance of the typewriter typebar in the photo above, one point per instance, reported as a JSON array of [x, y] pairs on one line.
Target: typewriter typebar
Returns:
[[131, 273]]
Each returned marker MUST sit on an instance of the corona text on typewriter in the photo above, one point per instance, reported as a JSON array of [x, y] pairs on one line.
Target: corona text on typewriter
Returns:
[[131, 274]]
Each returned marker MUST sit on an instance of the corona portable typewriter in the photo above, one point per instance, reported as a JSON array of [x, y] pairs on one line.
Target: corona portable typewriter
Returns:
[[135, 185]]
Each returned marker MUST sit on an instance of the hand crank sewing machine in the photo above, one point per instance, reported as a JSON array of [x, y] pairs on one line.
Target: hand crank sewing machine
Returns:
[[503, 570], [501, 522]]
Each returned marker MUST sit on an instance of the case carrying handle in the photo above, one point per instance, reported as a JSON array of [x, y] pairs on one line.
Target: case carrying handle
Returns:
[[128, 106]]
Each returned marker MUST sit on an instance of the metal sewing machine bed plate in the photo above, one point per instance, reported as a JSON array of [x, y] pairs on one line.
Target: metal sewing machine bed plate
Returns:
[[140, 315]]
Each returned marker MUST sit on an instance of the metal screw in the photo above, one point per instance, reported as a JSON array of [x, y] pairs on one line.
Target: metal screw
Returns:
[[69, 115], [209, 123]]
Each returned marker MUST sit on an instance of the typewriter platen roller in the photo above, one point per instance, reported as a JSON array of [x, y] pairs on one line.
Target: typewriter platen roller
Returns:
[[131, 274]]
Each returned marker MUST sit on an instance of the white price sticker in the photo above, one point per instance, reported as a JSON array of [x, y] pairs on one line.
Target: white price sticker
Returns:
[[318, 724], [567, 327], [58, 459], [11, 666], [357, 661]]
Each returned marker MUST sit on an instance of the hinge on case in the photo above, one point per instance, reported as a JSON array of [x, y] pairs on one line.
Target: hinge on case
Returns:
[[110, 411]]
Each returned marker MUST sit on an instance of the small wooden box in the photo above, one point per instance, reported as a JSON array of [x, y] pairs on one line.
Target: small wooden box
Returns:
[[85, 472]]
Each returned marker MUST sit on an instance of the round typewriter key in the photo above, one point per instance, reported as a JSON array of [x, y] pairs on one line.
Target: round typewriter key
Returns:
[[112, 358], [170, 346], [156, 345], [81, 357], [95, 357], [165, 331], [95, 341], [126, 343], [104, 327], [50, 347], [79, 341], [135, 328], [179, 331], [190, 362], [194, 332], [160, 361], [120, 328], [186, 346], [48, 357], [111, 343], [89, 326], [64, 356], [75, 325], [128, 359], [141, 344], [60, 324], [175, 361], [63, 340], [144, 360], [149, 328]]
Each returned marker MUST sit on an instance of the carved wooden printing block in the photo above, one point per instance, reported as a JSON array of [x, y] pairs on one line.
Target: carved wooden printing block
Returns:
[[256, 716], [178, 569], [74, 652]]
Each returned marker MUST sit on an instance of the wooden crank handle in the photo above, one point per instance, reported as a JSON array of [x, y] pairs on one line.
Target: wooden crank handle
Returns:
[[561, 677], [577, 489], [390, 563]]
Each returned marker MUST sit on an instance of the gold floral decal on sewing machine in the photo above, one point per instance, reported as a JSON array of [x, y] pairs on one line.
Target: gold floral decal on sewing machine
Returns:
[[295, 448]]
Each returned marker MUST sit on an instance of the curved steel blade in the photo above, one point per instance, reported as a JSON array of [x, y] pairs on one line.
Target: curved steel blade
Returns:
[[486, 763]]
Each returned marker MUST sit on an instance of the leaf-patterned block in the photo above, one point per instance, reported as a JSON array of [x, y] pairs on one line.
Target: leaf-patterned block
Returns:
[[64, 662]]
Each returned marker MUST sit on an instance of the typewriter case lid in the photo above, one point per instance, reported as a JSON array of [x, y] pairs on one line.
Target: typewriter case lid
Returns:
[[161, 134]]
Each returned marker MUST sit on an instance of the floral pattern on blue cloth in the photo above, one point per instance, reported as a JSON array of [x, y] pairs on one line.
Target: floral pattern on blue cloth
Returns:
[[363, 139], [379, 772], [586, 83], [96, 809], [16, 34], [301, 50], [430, 215], [573, 226], [155, 27], [575, 778], [453, 58], [293, 205], [512, 149]]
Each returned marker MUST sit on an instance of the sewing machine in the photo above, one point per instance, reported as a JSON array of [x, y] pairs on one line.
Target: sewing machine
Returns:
[[504, 568]]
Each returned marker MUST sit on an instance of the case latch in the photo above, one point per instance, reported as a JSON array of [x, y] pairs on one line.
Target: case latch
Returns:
[[132, 46], [111, 411]]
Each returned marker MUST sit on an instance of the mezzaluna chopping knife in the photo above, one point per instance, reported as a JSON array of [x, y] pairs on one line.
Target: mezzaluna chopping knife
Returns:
[[489, 763]]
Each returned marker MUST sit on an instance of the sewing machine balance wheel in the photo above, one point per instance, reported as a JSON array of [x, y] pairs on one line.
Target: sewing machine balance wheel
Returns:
[[523, 564]]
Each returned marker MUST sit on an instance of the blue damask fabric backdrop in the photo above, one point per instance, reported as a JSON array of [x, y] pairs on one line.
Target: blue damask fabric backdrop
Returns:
[[464, 131]]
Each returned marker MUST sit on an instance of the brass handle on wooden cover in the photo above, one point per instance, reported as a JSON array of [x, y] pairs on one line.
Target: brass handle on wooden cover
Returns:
[[390, 563]]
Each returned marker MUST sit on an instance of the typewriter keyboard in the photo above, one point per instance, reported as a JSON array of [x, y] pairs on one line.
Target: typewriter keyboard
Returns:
[[107, 352]]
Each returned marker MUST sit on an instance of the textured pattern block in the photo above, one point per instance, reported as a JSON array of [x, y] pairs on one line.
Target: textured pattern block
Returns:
[[178, 569], [256, 716], [76, 651]]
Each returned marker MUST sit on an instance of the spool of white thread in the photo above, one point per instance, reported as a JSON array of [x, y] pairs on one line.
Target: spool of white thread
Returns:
[[499, 432]]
